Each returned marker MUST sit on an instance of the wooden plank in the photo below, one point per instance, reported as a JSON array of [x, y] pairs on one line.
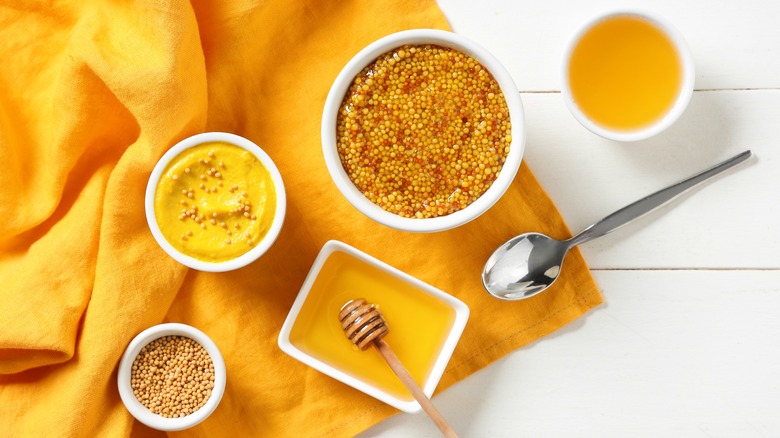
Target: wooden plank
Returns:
[[670, 353], [728, 222], [735, 44]]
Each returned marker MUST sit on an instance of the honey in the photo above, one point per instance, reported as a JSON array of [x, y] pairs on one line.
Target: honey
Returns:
[[625, 73], [419, 323]]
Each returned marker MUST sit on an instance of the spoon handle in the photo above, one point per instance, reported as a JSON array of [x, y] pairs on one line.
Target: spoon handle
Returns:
[[651, 202]]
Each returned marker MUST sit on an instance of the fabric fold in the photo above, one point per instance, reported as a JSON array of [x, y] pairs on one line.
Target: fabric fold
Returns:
[[96, 92]]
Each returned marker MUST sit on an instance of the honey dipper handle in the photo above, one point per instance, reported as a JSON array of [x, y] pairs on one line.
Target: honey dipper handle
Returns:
[[412, 386]]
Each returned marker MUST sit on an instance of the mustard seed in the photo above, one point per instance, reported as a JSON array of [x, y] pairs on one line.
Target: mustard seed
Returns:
[[172, 376]]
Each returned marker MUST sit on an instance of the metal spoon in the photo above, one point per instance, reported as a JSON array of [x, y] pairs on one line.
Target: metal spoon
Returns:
[[529, 263]]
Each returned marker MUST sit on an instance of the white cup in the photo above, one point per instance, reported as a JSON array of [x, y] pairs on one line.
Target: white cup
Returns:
[[667, 118]]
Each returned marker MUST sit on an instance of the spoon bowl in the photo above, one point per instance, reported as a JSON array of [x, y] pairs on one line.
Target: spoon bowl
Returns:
[[524, 266], [530, 263]]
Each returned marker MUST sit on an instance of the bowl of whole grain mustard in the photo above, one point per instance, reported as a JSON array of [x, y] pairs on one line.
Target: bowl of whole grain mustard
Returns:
[[215, 202], [423, 130]]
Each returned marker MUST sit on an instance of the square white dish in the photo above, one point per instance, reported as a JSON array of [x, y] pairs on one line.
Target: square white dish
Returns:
[[312, 333]]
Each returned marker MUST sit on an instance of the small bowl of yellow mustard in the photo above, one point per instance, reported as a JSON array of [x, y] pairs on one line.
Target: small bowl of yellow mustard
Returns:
[[215, 202]]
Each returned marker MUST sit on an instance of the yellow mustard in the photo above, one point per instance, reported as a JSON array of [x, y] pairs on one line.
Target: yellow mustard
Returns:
[[215, 201]]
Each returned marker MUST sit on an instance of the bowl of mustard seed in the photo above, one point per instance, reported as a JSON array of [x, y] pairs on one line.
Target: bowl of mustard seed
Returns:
[[423, 130], [171, 377]]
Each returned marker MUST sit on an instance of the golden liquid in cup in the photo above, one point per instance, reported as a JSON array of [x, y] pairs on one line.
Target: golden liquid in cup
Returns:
[[625, 73]]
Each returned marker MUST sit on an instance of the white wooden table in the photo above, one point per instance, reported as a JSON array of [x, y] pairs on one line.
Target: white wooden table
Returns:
[[687, 343]]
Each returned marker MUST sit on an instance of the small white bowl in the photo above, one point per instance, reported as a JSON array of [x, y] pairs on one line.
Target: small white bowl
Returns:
[[330, 300], [674, 112], [249, 256], [367, 56], [141, 412]]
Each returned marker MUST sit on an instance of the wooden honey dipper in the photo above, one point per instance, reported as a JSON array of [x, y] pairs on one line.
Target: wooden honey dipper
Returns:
[[365, 326]]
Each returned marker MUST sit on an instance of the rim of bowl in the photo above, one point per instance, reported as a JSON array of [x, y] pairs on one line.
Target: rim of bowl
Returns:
[[368, 55], [249, 256], [141, 412], [684, 96]]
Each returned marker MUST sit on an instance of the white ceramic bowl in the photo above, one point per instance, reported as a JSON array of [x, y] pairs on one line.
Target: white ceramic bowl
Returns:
[[141, 412], [684, 96], [329, 301], [249, 256], [367, 56]]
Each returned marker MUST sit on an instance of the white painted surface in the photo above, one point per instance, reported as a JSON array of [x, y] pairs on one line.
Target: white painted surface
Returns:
[[728, 222], [671, 353], [736, 44], [687, 342]]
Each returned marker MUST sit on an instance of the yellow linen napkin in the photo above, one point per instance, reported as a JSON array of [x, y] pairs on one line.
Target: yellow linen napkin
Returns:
[[92, 93]]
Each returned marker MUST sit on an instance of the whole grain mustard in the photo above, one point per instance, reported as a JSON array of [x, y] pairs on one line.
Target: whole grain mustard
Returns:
[[423, 131], [215, 201]]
